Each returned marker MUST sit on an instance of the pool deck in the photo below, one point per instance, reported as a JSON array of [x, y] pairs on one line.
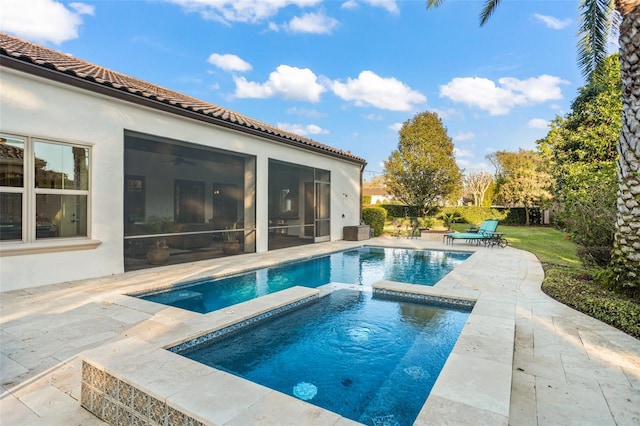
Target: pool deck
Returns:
[[522, 359]]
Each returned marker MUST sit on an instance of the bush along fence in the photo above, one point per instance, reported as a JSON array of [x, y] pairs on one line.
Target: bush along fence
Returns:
[[375, 218], [470, 214]]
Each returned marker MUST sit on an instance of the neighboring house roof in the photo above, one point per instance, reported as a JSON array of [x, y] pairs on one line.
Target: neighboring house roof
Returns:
[[10, 151], [375, 191], [14, 155], [34, 59]]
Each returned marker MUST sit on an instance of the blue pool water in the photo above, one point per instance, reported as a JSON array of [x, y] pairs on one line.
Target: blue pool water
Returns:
[[370, 359], [363, 266]]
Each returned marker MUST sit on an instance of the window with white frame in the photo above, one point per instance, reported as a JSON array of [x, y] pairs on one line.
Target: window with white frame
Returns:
[[44, 189]]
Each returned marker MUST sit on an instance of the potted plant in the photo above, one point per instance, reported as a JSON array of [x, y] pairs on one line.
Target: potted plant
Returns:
[[231, 243], [158, 253]]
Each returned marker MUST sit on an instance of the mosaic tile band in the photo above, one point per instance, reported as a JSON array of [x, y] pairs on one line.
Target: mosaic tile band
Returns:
[[226, 331], [424, 298]]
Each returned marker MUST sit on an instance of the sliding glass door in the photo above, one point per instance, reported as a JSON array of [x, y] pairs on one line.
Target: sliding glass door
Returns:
[[299, 205], [322, 187]]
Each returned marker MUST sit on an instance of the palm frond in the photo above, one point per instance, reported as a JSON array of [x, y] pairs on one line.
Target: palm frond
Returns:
[[487, 10], [597, 21], [434, 3]]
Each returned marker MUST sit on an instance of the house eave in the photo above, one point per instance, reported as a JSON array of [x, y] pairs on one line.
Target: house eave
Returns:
[[46, 71]]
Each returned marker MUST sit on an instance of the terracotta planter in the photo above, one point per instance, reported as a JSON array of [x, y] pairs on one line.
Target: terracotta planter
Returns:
[[231, 247], [433, 234], [157, 255]]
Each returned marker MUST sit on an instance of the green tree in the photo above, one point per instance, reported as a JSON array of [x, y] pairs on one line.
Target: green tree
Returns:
[[521, 179], [422, 171], [476, 185], [580, 151], [588, 135], [598, 18]]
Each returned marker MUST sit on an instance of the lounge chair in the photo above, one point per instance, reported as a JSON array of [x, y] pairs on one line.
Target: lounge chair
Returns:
[[483, 234]]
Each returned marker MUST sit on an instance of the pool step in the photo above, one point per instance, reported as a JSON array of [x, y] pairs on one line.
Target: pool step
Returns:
[[172, 297]]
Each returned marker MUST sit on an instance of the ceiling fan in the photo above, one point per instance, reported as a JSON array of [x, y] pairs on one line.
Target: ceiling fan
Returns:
[[181, 160]]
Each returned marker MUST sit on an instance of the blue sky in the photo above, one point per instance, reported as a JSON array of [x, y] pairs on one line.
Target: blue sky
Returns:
[[346, 73]]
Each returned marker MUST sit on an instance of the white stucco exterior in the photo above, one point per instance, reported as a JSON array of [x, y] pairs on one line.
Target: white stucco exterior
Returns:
[[37, 107]]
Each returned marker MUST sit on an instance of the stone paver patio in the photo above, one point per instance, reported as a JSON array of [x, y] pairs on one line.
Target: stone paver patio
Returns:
[[523, 358]]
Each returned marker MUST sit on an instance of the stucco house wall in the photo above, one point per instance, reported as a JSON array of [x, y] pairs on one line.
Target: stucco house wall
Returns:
[[39, 107]]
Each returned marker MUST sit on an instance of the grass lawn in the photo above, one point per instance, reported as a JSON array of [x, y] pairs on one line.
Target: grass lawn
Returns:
[[549, 244]]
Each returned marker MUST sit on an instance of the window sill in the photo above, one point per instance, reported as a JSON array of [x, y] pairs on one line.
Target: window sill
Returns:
[[17, 249]]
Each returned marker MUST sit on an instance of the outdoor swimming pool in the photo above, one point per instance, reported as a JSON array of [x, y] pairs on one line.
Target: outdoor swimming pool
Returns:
[[370, 359], [363, 266]]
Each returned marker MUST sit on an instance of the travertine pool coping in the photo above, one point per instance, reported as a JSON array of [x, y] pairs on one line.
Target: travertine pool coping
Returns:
[[476, 376], [568, 368]]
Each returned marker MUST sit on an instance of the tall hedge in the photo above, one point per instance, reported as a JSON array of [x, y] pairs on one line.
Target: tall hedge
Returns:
[[374, 217], [474, 215], [400, 210]]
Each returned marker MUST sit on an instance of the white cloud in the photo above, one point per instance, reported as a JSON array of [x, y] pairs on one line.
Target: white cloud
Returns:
[[229, 62], [251, 11], [291, 83], [302, 129], [396, 127], [390, 5], [350, 4], [383, 93], [551, 22], [463, 136], [447, 113], [538, 123], [83, 8], [536, 89], [500, 99], [43, 20], [470, 166], [313, 23], [274, 27], [458, 152]]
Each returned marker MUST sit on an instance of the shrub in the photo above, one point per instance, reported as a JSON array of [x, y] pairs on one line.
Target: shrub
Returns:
[[473, 215], [590, 215], [578, 290], [400, 210], [426, 222], [366, 200], [374, 217], [518, 215]]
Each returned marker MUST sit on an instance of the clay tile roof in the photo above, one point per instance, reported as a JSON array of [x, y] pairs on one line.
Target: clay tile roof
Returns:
[[58, 62], [375, 191], [10, 151]]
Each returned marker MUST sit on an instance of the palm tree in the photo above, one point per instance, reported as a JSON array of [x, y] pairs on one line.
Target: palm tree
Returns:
[[598, 18]]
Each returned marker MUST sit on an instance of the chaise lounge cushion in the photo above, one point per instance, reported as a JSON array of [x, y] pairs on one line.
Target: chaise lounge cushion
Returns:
[[483, 233]]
